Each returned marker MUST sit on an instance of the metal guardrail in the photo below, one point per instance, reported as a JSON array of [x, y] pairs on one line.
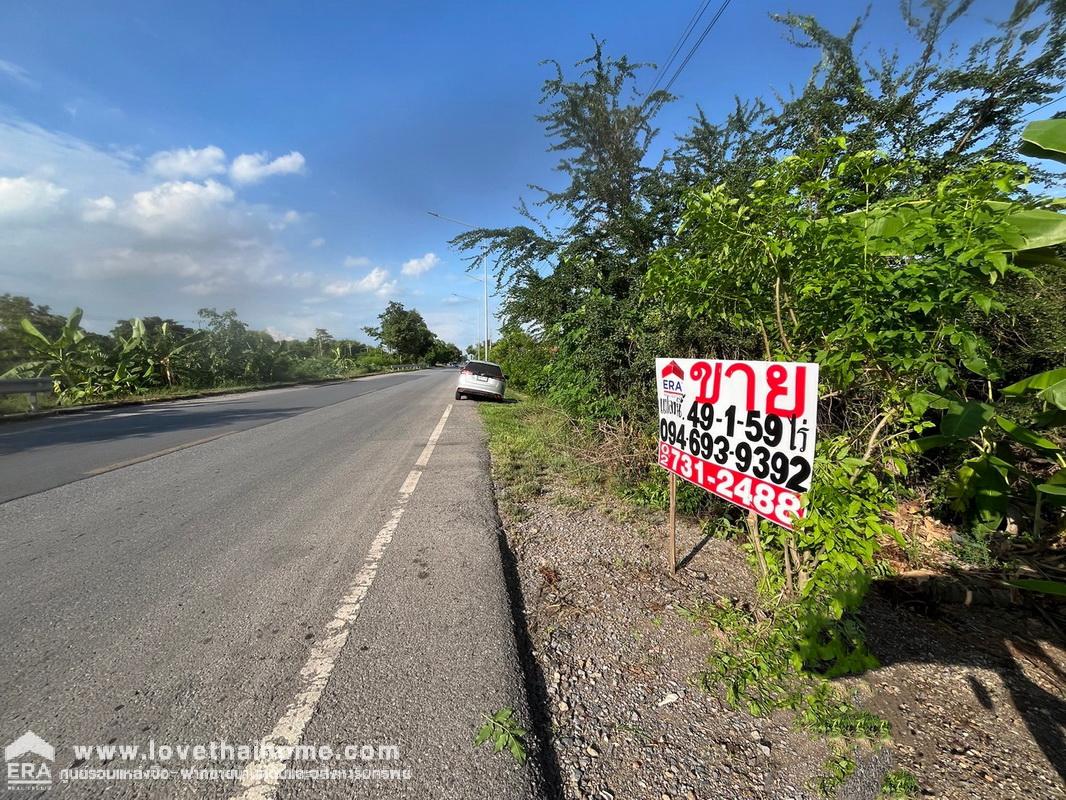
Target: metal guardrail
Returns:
[[30, 386]]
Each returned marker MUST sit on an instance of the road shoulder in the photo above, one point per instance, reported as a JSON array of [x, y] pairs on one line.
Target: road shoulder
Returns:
[[434, 647]]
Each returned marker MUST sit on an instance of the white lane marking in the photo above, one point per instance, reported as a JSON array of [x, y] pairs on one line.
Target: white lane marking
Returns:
[[262, 776]]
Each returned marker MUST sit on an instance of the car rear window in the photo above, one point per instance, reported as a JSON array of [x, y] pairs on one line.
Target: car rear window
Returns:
[[488, 370]]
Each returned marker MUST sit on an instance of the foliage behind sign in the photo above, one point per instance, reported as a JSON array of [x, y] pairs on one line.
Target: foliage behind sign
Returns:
[[743, 430]]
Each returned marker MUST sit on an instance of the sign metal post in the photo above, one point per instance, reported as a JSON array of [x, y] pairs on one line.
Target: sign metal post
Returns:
[[671, 552]]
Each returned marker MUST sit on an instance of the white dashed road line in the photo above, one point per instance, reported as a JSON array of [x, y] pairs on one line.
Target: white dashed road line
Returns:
[[262, 776]]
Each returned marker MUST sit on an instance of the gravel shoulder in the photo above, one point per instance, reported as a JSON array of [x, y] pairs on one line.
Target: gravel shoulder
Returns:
[[974, 696]]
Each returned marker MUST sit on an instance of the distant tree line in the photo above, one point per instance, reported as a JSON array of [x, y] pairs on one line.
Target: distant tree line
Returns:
[[146, 354]]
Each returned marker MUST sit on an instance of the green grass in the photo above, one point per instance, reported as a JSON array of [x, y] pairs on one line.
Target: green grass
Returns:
[[532, 446], [20, 403], [536, 447], [835, 772], [899, 785]]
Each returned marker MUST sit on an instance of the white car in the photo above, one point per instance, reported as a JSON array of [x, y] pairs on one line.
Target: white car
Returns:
[[481, 379]]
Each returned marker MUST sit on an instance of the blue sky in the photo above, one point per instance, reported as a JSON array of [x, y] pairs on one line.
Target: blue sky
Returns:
[[281, 158]]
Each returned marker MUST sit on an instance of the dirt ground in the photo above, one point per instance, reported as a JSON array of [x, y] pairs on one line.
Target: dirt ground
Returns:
[[975, 696]]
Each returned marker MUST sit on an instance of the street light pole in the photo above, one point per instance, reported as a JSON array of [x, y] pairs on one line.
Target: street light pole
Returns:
[[482, 341], [477, 313], [486, 310]]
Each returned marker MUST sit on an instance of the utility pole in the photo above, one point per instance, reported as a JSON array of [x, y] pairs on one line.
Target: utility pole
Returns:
[[477, 312], [486, 278], [486, 310], [483, 342]]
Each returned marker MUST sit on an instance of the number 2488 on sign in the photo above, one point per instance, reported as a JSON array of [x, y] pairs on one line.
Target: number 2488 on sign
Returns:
[[773, 502]]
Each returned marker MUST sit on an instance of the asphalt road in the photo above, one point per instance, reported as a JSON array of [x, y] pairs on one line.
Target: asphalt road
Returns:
[[317, 566], [36, 455]]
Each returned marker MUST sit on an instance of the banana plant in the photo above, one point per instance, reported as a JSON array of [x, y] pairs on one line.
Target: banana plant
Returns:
[[1045, 138], [69, 359], [995, 476], [165, 348], [133, 370]]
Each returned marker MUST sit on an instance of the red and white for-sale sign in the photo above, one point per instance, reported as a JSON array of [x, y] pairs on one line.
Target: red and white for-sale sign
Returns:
[[743, 430]]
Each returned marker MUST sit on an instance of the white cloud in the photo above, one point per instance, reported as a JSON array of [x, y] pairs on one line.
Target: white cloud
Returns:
[[296, 280], [377, 280], [99, 209], [205, 288], [121, 240], [176, 205], [302, 280], [87, 171], [317, 242], [27, 197], [227, 269], [17, 74], [126, 262], [419, 266], [290, 217], [254, 167], [279, 336], [188, 162], [356, 261]]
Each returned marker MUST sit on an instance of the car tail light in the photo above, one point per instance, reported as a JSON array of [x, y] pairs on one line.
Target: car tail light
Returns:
[[466, 372]]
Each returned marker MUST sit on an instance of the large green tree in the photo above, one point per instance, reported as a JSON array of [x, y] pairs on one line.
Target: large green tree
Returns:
[[946, 106], [443, 352], [577, 283], [403, 332]]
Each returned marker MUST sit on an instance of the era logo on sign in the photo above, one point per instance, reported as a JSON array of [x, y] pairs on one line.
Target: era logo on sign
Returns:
[[25, 771], [673, 379]]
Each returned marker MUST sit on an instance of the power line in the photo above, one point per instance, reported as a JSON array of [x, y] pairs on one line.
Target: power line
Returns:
[[696, 46], [450, 219], [692, 23], [1048, 103]]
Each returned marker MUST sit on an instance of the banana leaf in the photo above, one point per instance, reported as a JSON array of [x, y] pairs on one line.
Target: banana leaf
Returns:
[[1045, 138]]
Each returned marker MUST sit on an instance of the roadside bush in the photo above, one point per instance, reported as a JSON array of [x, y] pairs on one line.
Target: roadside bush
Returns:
[[313, 369], [522, 357], [374, 359]]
